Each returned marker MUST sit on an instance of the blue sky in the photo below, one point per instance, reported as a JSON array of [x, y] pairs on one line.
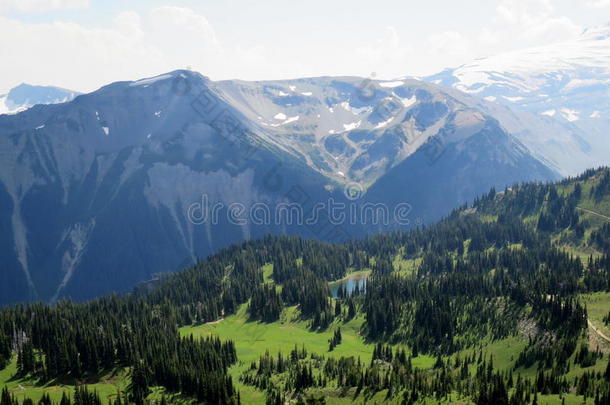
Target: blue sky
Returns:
[[84, 44]]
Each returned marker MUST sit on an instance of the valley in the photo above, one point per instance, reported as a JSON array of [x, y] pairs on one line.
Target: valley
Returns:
[[507, 299]]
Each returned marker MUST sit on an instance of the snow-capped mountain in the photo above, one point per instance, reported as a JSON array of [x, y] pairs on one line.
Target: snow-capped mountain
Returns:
[[347, 128], [121, 169], [25, 96], [568, 82], [355, 129]]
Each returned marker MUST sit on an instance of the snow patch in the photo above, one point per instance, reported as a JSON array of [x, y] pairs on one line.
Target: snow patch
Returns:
[[408, 102], [595, 114], [549, 113], [3, 107], [391, 84], [292, 88], [512, 99], [291, 119], [150, 80], [40, 127], [578, 83], [281, 116], [158, 113], [384, 123], [353, 125], [570, 115], [106, 130], [307, 93], [355, 110], [490, 98]]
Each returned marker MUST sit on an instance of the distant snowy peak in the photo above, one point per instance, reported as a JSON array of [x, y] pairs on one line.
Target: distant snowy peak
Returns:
[[566, 82], [25, 96], [533, 69]]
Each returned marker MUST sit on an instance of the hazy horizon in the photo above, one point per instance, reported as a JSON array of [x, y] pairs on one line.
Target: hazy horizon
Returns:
[[84, 44]]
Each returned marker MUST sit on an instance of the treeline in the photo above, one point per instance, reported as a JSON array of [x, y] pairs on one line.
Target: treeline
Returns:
[[266, 304], [82, 396], [602, 188], [83, 339], [455, 300], [140, 330], [600, 238]]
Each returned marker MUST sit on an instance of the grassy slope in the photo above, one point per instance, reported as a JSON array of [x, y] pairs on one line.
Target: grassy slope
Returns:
[[592, 213], [254, 338], [106, 385], [598, 306]]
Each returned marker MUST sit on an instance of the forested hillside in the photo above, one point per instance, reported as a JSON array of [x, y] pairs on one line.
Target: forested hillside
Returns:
[[506, 301]]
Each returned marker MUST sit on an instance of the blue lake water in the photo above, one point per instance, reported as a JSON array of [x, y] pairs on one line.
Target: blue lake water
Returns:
[[349, 284]]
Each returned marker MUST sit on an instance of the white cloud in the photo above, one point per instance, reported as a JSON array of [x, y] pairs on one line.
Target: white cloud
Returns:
[[184, 23], [129, 23], [388, 47], [450, 43], [523, 12], [598, 3], [385, 54], [146, 43], [515, 24], [37, 6], [532, 22], [134, 46]]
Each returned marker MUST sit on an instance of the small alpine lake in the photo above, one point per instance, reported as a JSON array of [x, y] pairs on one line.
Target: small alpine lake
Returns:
[[350, 283]]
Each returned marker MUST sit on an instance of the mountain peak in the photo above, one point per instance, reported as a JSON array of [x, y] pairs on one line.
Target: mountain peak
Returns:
[[184, 74], [25, 95]]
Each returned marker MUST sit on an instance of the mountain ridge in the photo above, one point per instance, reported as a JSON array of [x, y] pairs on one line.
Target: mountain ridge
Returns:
[[137, 157]]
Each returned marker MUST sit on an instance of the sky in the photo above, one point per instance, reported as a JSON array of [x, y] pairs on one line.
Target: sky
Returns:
[[84, 44]]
